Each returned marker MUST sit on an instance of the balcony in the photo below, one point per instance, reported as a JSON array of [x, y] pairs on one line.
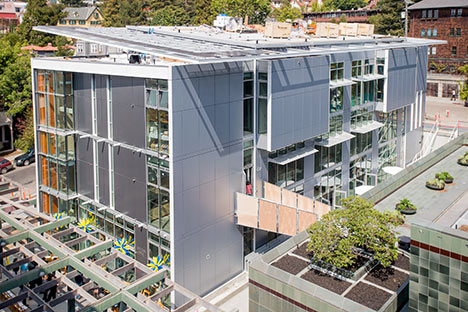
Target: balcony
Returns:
[[280, 211]]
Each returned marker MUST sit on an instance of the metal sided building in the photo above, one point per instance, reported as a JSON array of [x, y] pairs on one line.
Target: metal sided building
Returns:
[[155, 142]]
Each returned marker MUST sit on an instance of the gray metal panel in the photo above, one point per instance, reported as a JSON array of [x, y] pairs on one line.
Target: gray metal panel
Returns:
[[103, 159], [130, 183], [84, 167], [101, 105], [128, 110], [207, 171], [401, 90], [422, 69], [299, 99], [82, 101], [141, 244]]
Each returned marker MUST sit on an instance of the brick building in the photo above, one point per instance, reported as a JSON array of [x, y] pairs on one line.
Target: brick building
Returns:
[[352, 16], [445, 20]]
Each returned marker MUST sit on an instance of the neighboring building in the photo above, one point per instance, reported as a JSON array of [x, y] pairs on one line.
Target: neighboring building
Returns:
[[6, 134], [48, 50], [445, 20], [159, 141], [82, 17], [11, 15], [352, 16]]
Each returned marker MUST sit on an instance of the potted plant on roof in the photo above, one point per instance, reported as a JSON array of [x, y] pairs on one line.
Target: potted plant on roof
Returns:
[[463, 160], [444, 176], [406, 207], [435, 184]]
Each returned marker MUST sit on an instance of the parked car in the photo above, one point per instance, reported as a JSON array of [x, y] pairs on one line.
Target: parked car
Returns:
[[5, 165], [26, 158]]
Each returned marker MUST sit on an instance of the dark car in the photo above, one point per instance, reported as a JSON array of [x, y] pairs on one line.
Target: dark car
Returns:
[[5, 165], [26, 158]]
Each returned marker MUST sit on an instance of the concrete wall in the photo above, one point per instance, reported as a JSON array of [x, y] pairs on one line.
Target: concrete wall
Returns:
[[207, 171], [299, 99]]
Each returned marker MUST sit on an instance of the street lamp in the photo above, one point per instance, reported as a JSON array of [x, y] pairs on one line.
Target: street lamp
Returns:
[[406, 15]]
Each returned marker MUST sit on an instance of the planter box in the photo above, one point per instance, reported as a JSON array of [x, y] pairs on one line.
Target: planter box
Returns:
[[433, 187], [458, 161]]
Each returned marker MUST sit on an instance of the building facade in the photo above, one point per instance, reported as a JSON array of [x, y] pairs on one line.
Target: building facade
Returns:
[[445, 20], [11, 15], [156, 144]]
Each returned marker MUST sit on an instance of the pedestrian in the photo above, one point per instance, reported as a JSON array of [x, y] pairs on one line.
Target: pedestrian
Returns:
[[52, 290], [454, 98], [248, 188]]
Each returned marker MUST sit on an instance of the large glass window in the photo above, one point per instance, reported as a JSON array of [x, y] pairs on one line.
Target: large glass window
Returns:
[[369, 91], [327, 185], [248, 102], [156, 93], [327, 157], [336, 99], [356, 69], [55, 99], [389, 129], [262, 103], [286, 175], [158, 193], [337, 71], [356, 94], [369, 66]]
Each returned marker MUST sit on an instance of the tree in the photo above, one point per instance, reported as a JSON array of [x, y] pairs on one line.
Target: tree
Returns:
[[73, 3], [202, 12], [342, 18], [388, 21], [286, 13], [256, 10], [170, 16], [39, 13], [464, 85], [336, 237], [118, 13], [331, 5]]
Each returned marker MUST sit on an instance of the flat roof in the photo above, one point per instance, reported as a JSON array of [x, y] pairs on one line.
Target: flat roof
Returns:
[[205, 44], [442, 207]]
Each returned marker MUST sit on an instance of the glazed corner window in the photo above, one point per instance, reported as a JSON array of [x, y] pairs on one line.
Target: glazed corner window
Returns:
[[262, 103], [356, 70], [157, 130], [336, 99], [337, 71], [156, 93], [54, 94]]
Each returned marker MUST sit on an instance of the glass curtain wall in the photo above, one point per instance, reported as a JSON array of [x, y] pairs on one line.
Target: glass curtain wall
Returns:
[[157, 133], [327, 185], [56, 153]]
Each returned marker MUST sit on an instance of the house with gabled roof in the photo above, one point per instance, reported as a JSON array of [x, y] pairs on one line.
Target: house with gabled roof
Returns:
[[82, 17]]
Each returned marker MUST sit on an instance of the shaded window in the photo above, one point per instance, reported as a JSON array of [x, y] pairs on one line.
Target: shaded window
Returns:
[[452, 32], [458, 32], [454, 51]]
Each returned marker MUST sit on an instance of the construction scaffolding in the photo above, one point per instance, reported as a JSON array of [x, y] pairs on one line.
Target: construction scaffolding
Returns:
[[49, 264]]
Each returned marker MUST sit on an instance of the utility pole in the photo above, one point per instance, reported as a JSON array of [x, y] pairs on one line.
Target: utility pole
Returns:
[[406, 15]]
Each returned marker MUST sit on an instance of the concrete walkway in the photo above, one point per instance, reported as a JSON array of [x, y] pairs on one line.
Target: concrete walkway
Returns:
[[430, 203]]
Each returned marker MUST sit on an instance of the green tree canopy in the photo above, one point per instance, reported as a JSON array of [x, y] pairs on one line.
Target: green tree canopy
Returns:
[[388, 21], [329, 5], [73, 3], [335, 238], [464, 85], [286, 13], [119, 13], [170, 16], [256, 10], [39, 13]]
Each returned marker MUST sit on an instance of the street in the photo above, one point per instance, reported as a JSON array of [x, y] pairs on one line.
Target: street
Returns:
[[25, 176], [456, 111]]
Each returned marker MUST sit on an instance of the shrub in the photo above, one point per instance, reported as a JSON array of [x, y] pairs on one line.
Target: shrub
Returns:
[[405, 204], [337, 236], [444, 176], [436, 183]]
